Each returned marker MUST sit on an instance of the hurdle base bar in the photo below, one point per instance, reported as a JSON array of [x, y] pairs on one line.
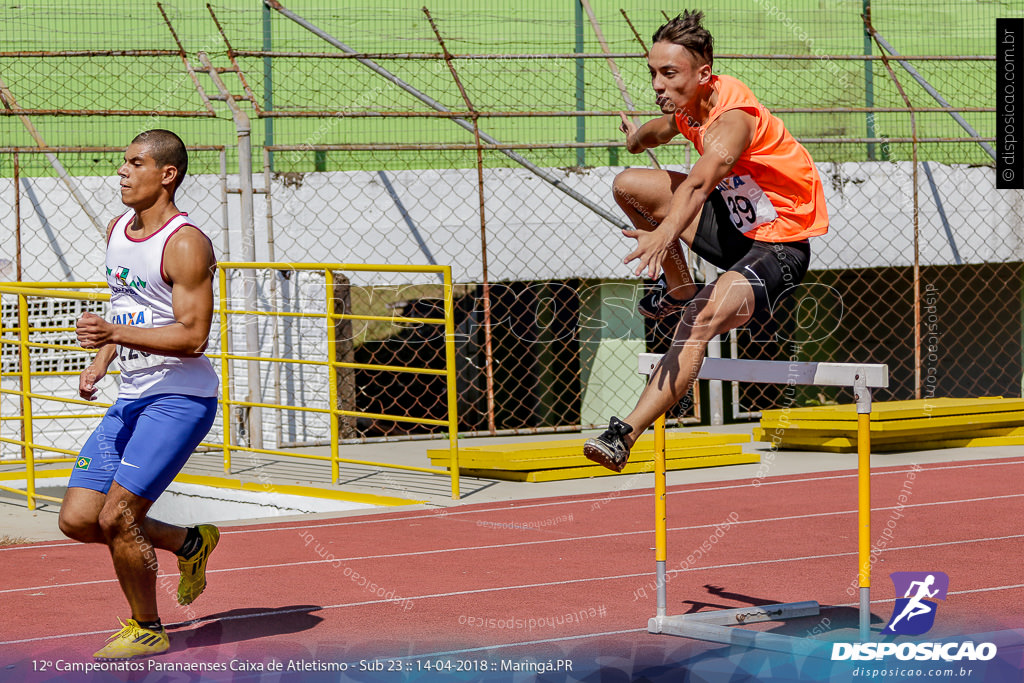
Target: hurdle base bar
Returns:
[[722, 626]]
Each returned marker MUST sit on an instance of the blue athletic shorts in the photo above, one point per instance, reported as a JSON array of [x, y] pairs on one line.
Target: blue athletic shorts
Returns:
[[143, 443]]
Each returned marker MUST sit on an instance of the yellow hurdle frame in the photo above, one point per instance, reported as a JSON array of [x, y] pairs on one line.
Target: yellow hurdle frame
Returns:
[[719, 626]]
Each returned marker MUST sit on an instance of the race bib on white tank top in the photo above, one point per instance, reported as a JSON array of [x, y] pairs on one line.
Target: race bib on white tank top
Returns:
[[131, 360]]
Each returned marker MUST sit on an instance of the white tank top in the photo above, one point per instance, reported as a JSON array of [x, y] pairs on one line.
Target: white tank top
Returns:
[[140, 296]]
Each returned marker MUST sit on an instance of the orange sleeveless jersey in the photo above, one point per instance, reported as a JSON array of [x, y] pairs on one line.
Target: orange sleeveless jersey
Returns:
[[775, 161]]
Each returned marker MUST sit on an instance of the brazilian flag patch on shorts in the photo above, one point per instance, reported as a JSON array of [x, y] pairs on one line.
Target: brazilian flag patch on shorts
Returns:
[[83, 463]]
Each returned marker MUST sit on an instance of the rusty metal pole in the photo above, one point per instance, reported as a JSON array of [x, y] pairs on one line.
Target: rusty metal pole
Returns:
[[917, 269], [614, 68], [884, 46], [252, 344], [633, 29], [188, 65], [461, 121], [488, 337], [7, 97], [917, 232], [17, 278], [274, 276], [17, 218]]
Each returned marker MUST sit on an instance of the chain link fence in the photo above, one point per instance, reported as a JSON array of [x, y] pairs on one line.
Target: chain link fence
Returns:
[[921, 268]]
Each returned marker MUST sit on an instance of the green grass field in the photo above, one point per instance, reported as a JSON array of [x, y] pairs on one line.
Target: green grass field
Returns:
[[805, 27]]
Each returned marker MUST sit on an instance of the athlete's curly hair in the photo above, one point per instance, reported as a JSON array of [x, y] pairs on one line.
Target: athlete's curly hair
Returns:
[[686, 30]]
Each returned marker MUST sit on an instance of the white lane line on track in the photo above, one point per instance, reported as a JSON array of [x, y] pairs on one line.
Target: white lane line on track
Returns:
[[278, 612], [484, 648], [546, 584], [38, 547], [449, 512], [963, 592], [502, 546]]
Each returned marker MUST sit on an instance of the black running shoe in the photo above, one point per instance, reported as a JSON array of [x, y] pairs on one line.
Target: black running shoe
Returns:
[[609, 449], [658, 303]]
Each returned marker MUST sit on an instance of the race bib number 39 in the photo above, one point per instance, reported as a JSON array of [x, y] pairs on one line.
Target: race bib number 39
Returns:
[[748, 205], [132, 359]]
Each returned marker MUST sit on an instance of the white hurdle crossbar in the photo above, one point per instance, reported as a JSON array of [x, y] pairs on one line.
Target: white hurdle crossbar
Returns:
[[720, 626]]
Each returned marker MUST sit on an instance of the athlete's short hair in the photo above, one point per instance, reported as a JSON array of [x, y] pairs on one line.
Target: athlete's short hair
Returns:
[[167, 149], [686, 30]]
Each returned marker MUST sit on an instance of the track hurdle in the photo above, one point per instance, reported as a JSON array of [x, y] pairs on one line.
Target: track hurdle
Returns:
[[720, 626]]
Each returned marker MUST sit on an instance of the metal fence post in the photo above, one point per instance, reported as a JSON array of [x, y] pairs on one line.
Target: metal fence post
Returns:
[[869, 82], [268, 86], [916, 224], [340, 294], [488, 330], [17, 218], [26, 403], [252, 342], [581, 87]]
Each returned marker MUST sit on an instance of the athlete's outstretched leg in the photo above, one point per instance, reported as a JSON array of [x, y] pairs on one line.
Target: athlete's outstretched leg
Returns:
[[727, 304]]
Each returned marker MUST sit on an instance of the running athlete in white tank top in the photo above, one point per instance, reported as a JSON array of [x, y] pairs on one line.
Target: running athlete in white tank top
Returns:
[[160, 271], [140, 296]]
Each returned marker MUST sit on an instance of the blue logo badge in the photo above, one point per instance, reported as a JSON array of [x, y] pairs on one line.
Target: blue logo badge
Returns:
[[914, 613]]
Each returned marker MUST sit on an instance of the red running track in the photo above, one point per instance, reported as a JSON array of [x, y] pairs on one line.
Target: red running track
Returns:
[[504, 579]]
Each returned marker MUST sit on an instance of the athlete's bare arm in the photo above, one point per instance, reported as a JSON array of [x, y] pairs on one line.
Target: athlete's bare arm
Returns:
[[96, 371], [652, 134], [188, 264], [725, 140]]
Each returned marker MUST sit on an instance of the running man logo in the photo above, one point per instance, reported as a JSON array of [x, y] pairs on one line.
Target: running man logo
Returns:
[[914, 614], [83, 463]]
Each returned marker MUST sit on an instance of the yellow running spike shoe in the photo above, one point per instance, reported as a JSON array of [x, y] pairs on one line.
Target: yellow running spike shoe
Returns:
[[134, 641], [193, 569]]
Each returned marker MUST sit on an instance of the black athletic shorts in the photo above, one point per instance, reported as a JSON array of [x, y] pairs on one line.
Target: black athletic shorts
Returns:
[[773, 269]]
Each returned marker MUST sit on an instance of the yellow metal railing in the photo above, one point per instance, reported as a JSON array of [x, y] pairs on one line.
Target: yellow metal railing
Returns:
[[58, 290], [332, 366], [24, 290]]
